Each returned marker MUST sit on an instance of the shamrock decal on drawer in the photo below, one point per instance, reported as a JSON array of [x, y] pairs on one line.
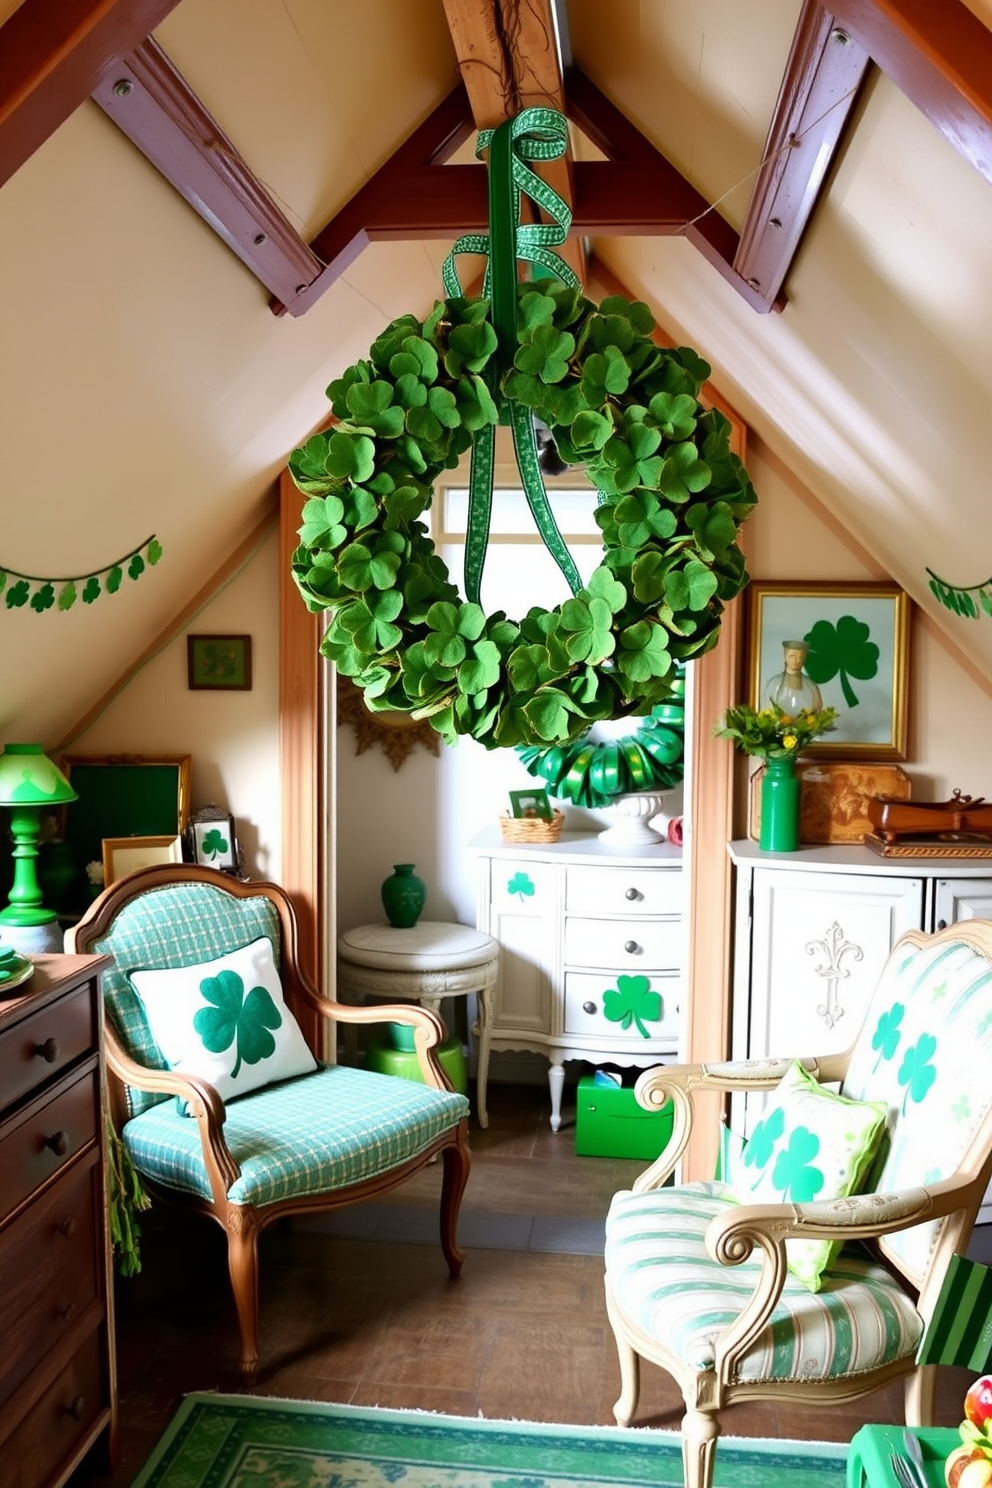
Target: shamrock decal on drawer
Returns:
[[633, 1002], [235, 1017]]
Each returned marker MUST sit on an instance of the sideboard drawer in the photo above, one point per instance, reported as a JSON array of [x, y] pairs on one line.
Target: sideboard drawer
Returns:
[[585, 1014], [49, 1436], [44, 1043], [629, 891], [46, 1137], [623, 945], [48, 1271]]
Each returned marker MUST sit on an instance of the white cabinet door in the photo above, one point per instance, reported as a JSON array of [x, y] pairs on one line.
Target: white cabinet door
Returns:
[[961, 899], [819, 942]]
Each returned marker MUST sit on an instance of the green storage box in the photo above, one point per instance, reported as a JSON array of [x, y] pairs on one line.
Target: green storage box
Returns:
[[385, 1060], [610, 1123]]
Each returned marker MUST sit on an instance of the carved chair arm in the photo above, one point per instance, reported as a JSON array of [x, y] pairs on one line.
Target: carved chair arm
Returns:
[[676, 1082], [205, 1104], [428, 1026]]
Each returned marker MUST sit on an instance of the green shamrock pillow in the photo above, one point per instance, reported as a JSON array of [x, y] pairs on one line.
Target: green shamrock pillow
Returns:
[[225, 1020], [810, 1144]]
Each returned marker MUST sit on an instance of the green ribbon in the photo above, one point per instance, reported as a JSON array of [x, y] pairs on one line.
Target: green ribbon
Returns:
[[535, 134]]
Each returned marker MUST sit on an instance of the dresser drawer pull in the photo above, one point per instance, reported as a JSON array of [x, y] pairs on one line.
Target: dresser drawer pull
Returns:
[[50, 1051], [58, 1142], [76, 1408], [633, 894], [630, 946], [589, 1007], [65, 1312], [69, 1226]]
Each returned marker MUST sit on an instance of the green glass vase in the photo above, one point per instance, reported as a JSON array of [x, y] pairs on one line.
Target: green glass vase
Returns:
[[403, 896], [779, 806]]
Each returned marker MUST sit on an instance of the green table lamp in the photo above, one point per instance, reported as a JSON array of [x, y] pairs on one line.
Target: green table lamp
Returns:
[[29, 783]]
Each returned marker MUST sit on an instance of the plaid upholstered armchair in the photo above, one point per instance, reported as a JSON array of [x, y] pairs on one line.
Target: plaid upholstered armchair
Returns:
[[217, 1088], [810, 1275]]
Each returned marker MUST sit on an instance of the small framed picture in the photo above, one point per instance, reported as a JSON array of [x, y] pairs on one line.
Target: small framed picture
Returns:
[[219, 662], [525, 803], [212, 841], [126, 854]]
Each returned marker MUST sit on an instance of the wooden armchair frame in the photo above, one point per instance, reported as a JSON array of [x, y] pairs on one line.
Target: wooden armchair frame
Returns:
[[732, 1237], [243, 1223]]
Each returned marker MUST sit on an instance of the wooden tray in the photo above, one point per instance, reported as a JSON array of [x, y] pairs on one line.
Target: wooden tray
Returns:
[[930, 847], [834, 800]]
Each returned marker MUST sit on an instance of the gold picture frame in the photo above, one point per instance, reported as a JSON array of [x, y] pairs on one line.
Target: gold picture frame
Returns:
[[858, 636], [123, 855]]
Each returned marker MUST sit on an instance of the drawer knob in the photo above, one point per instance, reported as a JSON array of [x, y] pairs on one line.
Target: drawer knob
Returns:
[[632, 894], [941, 924], [58, 1142], [69, 1226], [588, 1007], [66, 1310], [49, 1051], [630, 946], [76, 1408]]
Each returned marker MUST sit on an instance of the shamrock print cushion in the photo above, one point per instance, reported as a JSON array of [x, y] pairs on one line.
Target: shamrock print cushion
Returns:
[[810, 1144], [225, 1020], [925, 1049]]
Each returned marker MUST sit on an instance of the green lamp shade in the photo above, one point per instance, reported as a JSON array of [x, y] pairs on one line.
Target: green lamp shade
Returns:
[[28, 778], [28, 783]]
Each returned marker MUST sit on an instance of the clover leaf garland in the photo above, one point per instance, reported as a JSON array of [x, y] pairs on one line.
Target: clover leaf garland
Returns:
[[45, 597], [672, 497]]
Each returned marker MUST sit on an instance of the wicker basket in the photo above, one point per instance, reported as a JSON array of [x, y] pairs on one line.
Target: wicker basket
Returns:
[[531, 829]]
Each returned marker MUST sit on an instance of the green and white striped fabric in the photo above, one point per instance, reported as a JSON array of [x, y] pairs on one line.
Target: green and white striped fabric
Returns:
[[313, 1134], [168, 927], [925, 1049], [666, 1285]]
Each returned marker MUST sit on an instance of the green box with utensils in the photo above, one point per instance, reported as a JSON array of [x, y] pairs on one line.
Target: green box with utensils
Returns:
[[610, 1123]]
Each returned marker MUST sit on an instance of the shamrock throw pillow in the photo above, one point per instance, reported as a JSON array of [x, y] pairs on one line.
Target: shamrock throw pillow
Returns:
[[810, 1144], [225, 1020]]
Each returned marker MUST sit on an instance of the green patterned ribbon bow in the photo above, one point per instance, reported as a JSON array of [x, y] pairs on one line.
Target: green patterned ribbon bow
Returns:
[[535, 134]]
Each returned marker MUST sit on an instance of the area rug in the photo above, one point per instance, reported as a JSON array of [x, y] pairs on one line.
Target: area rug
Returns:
[[251, 1441]]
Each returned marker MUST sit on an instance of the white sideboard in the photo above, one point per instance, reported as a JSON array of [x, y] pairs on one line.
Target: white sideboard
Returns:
[[575, 919], [812, 931]]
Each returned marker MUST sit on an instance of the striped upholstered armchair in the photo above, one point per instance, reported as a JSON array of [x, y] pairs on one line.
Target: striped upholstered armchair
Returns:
[[757, 1288], [218, 1086]]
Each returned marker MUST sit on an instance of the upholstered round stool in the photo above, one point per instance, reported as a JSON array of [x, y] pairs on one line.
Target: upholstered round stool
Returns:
[[424, 964]]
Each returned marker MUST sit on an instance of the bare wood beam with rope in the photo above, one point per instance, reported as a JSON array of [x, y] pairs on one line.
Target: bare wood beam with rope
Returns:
[[823, 77]]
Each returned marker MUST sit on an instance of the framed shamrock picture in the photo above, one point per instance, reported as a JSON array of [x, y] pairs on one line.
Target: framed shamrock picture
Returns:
[[212, 840], [844, 646]]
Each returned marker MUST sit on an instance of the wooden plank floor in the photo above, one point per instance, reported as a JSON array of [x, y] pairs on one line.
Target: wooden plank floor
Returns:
[[359, 1307]]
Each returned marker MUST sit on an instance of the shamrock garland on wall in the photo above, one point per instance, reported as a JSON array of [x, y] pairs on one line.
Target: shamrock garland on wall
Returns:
[[62, 593], [672, 496]]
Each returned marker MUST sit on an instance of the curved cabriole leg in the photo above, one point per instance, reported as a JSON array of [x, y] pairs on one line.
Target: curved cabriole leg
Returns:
[[457, 1164], [920, 1389], [630, 1380], [242, 1263], [699, 1434]]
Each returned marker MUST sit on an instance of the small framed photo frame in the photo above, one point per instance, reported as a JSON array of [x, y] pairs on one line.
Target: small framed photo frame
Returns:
[[853, 643], [218, 663], [212, 840], [126, 854], [531, 803]]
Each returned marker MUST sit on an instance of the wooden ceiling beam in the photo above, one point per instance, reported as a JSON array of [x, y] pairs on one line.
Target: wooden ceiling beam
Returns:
[[822, 79], [158, 111], [508, 59], [52, 53], [940, 57]]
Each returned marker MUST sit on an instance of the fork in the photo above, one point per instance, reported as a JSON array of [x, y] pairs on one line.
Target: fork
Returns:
[[902, 1470]]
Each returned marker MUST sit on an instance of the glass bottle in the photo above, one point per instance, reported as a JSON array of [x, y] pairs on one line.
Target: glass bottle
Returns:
[[791, 690]]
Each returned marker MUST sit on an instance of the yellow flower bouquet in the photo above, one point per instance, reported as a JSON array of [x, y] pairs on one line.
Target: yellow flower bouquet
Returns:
[[772, 734]]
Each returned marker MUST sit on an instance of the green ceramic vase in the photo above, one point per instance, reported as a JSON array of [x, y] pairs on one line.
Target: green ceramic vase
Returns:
[[403, 896], [779, 806]]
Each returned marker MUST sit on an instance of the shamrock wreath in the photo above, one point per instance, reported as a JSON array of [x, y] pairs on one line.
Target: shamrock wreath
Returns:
[[672, 496]]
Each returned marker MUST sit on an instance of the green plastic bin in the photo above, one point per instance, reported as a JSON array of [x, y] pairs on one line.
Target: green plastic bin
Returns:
[[385, 1060], [610, 1123]]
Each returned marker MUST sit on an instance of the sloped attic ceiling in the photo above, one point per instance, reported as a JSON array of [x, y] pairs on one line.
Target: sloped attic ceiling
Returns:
[[149, 388]]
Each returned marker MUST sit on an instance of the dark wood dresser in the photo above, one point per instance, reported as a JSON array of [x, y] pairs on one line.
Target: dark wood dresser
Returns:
[[57, 1385]]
